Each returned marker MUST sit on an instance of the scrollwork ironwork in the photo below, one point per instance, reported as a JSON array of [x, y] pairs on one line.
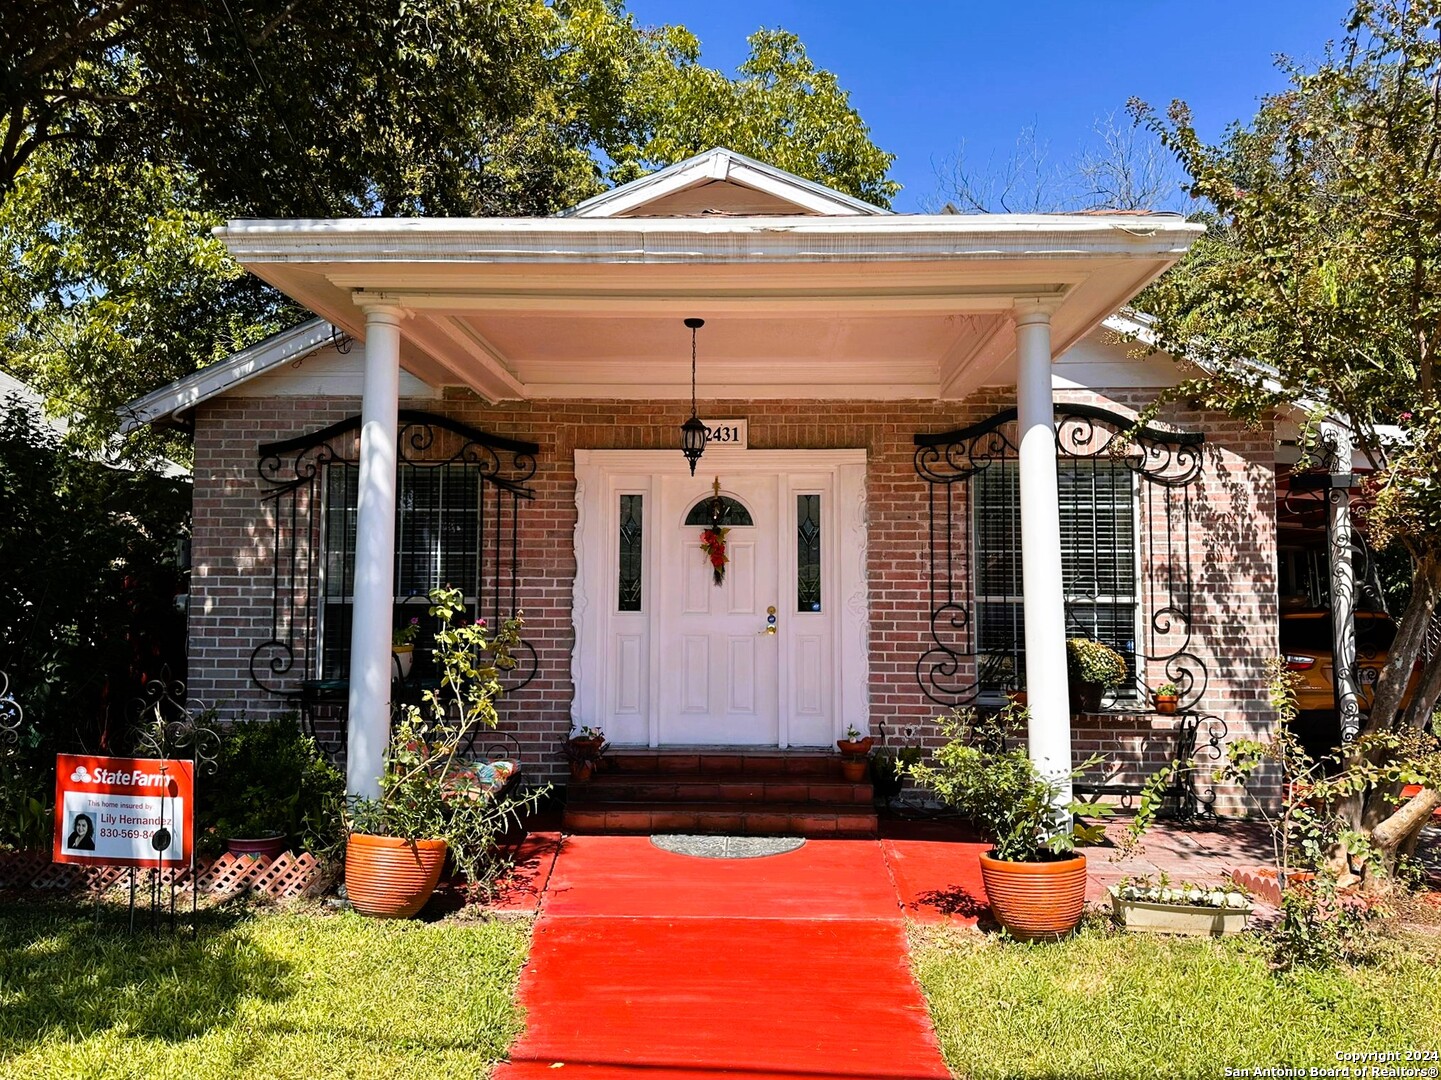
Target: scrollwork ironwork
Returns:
[[171, 724], [956, 667], [12, 715], [293, 474]]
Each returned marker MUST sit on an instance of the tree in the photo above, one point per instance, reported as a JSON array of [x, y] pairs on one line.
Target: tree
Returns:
[[1318, 285], [1123, 168], [131, 127], [88, 577], [782, 109]]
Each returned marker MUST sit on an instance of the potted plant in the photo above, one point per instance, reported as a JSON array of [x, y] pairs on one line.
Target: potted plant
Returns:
[[1034, 878], [431, 802], [1165, 698], [583, 751], [1093, 669], [889, 765], [273, 787], [854, 749], [402, 645], [1193, 910]]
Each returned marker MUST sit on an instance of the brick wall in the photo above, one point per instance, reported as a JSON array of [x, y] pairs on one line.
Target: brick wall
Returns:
[[231, 609]]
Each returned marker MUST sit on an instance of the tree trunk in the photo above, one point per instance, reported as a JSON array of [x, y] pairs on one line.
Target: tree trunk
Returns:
[[1395, 833], [1392, 829], [1410, 640]]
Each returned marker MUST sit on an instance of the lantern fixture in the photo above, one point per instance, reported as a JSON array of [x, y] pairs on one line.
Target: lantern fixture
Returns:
[[693, 432]]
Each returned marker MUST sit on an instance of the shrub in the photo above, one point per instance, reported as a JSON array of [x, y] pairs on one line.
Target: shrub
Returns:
[[271, 778], [999, 789]]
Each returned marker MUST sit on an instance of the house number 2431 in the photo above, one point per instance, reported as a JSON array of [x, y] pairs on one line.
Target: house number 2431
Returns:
[[727, 433]]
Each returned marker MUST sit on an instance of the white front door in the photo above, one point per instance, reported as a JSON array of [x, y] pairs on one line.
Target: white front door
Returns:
[[666, 657], [720, 664]]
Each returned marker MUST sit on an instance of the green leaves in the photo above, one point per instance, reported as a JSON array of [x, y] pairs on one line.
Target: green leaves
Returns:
[[1317, 287], [781, 109], [997, 787]]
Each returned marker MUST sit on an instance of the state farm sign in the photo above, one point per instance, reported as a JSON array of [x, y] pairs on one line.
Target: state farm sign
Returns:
[[123, 811]]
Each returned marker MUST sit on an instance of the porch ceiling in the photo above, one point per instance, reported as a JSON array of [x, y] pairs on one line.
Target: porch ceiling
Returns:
[[891, 306]]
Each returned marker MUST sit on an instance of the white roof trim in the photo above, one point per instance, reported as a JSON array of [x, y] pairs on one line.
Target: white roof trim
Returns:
[[215, 379], [706, 240], [722, 164]]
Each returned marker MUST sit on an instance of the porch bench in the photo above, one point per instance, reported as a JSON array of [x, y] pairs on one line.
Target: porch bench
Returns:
[[1091, 792], [1197, 735]]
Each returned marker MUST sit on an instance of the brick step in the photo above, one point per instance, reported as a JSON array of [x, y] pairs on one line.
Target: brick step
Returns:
[[719, 787], [811, 820], [732, 761]]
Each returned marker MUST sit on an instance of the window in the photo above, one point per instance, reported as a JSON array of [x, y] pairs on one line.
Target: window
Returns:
[[438, 538], [808, 553], [732, 513], [1098, 562], [630, 552]]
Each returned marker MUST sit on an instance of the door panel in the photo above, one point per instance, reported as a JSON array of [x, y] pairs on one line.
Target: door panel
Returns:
[[718, 669]]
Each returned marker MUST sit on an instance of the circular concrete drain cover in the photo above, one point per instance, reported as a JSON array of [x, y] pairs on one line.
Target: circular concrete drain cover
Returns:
[[728, 847]]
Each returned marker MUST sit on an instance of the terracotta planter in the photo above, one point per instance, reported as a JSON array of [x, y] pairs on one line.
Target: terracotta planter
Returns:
[[389, 878], [1036, 901], [582, 770], [854, 769], [855, 747], [265, 846], [1165, 704], [404, 658]]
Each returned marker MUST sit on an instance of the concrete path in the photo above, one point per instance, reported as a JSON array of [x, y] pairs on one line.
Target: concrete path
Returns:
[[647, 963]]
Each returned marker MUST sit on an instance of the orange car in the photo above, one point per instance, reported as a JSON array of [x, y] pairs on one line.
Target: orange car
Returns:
[[1306, 644]]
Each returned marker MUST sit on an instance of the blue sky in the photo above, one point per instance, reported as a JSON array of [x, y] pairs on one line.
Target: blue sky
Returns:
[[926, 76]]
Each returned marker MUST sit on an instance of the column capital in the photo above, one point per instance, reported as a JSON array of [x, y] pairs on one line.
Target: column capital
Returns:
[[1033, 312], [379, 310]]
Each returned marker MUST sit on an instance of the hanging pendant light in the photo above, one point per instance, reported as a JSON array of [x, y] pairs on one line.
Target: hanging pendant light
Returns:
[[693, 432]]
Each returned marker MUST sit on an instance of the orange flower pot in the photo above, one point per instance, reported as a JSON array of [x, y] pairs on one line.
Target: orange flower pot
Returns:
[[390, 878], [1036, 901], [854, 769]]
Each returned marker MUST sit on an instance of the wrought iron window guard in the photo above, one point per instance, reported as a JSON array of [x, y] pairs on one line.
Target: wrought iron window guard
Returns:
[[1167, 467], [293, 471]]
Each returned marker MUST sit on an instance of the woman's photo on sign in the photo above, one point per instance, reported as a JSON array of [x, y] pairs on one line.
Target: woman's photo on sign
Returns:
[[82, 833]]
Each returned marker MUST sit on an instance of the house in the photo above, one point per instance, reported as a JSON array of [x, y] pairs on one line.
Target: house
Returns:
[[918, 441]]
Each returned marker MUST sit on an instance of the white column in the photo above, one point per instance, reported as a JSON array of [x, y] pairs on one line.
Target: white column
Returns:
[[1343, 582], [1046, 689], [370, 663]]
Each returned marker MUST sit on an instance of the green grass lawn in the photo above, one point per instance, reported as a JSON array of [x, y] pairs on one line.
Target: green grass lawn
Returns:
[[1107, 1004], [266, 995]]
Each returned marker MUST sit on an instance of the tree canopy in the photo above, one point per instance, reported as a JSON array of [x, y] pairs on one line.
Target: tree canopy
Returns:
[[130, 128], [1318, 286]]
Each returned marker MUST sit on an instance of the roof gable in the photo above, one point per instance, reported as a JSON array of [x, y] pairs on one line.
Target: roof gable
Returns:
[[720, 181]]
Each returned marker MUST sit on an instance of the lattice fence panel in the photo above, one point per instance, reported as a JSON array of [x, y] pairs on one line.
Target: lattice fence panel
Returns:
[[286, 876]]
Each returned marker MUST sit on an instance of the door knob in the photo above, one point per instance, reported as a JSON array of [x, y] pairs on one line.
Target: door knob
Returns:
[[770, 621]]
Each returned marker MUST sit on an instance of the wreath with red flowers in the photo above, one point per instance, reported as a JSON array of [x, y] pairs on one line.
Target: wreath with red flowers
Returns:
[[713, 543]]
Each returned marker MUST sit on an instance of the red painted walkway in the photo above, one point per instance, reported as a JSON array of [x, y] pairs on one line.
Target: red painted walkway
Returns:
[[790, 967]]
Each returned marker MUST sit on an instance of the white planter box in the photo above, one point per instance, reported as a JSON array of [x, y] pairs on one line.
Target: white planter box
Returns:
[[1185, 919]]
